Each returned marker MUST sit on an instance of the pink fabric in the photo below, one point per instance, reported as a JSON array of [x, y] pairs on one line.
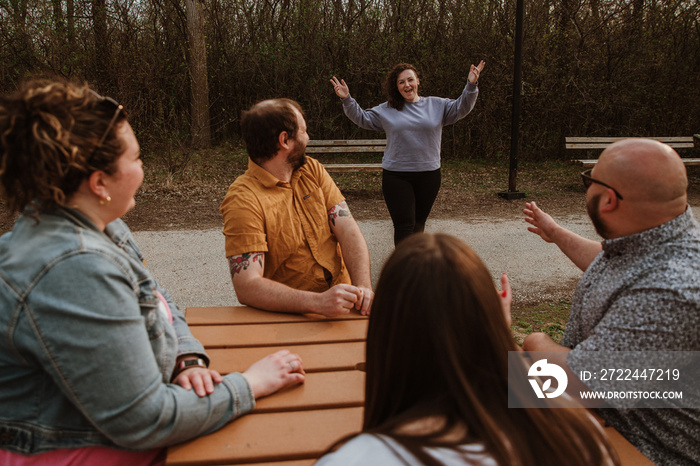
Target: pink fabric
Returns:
[[166, 306], [102, 456]]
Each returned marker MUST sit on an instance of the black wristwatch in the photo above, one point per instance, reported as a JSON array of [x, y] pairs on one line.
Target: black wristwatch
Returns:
[[187, 363]]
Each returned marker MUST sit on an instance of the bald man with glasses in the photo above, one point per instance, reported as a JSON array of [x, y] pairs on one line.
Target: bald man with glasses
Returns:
[[640, 290]]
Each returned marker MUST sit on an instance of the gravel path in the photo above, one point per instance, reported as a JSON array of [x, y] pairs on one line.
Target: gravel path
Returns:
[[191, 264]]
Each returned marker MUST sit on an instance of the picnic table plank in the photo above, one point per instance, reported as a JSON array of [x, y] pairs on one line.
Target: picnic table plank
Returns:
[[322, 390], [345, 142], [279, 463], [605, 145], [352, 167], [610, 139], [270, 437], [628, 454], [317, 358], [347, 146], [343, 149], [219, 315], [588, 163], [598, 143], [246, 335]]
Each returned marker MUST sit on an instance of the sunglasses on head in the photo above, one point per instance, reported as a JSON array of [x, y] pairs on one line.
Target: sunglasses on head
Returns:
[[117, 110], [588, 180]]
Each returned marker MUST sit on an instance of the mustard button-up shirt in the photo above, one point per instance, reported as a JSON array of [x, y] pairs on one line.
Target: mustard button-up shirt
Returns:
[[289, 223]]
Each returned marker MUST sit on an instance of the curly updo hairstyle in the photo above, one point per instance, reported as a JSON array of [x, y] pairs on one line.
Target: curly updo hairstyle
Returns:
[[50, 133], [391, 90]]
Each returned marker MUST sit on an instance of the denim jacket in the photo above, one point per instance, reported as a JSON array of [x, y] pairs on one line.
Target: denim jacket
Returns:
[[86, 355]]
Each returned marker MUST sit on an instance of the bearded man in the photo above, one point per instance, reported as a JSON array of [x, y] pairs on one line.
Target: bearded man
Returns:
[[291, 243], [640, 291]]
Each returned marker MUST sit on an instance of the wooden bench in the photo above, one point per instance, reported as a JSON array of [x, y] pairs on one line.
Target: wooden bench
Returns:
[[344, 146], [593, 143]]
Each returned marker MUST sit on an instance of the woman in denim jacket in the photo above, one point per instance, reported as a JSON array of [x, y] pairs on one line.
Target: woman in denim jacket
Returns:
[[97, 364]]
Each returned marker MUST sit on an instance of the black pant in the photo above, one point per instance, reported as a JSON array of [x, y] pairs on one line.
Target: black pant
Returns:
[[409, 196]]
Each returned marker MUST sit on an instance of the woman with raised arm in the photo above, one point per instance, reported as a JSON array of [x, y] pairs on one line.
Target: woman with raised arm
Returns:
[[413, 126], [436, 389], [97, 364]]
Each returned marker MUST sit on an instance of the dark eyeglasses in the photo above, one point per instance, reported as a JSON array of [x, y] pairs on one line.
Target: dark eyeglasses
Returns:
[[117, 110], [588, 181]]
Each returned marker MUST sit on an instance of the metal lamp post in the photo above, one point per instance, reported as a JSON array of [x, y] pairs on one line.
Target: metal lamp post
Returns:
[[512, 192]]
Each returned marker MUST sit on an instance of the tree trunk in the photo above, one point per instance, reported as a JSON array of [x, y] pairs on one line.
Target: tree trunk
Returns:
[[70, 18], [103, 58], [58, 18], [23, 43], [201, 135]]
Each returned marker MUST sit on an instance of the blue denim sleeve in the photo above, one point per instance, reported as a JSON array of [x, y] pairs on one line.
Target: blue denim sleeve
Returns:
[[110, 355]]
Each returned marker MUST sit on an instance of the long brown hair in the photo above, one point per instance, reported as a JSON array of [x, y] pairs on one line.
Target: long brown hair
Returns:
[[437, 347], [50, 133], [391, 90]]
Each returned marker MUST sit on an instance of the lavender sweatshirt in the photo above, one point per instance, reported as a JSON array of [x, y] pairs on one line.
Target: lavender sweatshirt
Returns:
[[414, 134]]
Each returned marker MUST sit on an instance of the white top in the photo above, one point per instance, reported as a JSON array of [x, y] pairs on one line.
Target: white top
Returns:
[[368, 450]]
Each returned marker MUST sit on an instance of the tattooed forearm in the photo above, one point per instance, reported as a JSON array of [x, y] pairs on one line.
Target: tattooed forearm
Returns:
[[243, 261], [339, 210]]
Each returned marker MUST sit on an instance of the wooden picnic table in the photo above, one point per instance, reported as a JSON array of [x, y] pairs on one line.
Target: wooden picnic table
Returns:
[[294, 426], [299, 423]]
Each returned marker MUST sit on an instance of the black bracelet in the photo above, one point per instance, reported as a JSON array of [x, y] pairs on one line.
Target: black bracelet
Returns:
[[188, 363]]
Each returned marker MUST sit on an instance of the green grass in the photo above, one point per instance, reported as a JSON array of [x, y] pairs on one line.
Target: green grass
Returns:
[[550, 318]]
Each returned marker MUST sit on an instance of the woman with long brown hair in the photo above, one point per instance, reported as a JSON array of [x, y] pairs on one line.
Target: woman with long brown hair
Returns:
[[437, 373], [413, 126]]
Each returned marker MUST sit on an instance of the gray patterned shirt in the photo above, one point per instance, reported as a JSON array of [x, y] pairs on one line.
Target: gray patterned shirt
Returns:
[[642, 293]]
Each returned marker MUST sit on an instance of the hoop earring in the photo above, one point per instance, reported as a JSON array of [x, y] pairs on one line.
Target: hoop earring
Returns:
[[105, 200]]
